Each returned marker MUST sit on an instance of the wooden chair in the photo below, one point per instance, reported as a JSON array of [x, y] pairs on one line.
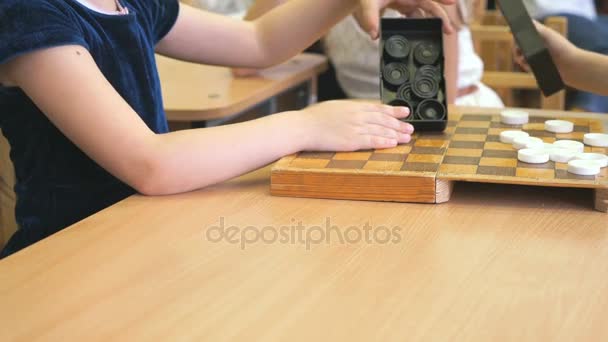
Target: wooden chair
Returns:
[[494, 42], [7, 194]]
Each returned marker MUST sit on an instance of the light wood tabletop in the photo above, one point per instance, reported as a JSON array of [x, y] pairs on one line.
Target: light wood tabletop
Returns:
[[496, 263], [193, 92]]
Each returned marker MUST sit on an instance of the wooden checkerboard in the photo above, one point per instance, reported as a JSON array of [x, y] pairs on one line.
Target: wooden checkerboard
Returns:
[[424, 170]]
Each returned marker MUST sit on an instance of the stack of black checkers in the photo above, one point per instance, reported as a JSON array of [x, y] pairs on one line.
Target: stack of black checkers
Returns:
[[412, 70]]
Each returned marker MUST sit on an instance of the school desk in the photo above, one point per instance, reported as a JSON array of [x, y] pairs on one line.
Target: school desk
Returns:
[[193, 92], [496, 263]]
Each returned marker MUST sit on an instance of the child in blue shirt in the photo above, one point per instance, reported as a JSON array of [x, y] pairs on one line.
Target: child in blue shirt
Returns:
[[80, 101]]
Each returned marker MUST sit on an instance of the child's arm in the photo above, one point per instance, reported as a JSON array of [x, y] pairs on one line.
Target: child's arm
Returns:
[[204, 37], [580, 69], [87, 109]]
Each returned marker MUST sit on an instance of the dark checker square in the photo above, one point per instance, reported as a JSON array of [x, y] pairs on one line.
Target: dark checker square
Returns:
[[564, 174], [316, 155], [435, 136], [548, 165], [494, 124], [461, 160], [499, 154], [540, 133], [496, 171], [346, 164], [471, 130], [493, 138], [468, 144], [538, 119], [421, 167], [388, 157], [472, 117], [584, 129]]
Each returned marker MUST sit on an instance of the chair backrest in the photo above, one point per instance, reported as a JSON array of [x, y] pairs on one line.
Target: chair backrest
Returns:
[[494, 43], [7, 194]]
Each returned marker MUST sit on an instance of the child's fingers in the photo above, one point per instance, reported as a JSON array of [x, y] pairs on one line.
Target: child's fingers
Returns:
[[397, 112], [391, 122], [375, 142], [381, 131], [436, 10], [368, 17]]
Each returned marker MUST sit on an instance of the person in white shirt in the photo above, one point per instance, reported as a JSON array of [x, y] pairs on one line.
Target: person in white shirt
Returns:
[[587, 30]]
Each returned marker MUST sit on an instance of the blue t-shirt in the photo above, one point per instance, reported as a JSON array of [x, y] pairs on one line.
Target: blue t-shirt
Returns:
[[57, 184]]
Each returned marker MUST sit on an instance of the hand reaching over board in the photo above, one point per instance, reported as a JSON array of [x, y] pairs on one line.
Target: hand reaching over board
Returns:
[[351, 126]]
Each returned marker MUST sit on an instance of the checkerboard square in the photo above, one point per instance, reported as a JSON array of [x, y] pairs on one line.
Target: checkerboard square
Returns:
[[497, 146], [401, 149], [496, 171], [579, 136], [539, 120], [467, 144], [421, 167], [471, 130], [444, 136], [346, 164], [536, 173], [505, 127], [473, 117], [549, 165], [424, 158], [500, 153], [309, 163], [394, 157], [353, 156], [564, 174], [454, 169], [428, 150], [539, 133], [464, 152], [383, 165], [469, 137], [496, 131], [500, 162], [461, 160], [430, 143], [493, 138], [535, 127], [474, 124]]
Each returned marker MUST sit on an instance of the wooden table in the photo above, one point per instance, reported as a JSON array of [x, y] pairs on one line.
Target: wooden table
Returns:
[[193, 92], [496, 263]]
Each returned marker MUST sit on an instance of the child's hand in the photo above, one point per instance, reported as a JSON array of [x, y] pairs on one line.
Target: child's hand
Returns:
[[369, 12], [353, 125], [562, 50]]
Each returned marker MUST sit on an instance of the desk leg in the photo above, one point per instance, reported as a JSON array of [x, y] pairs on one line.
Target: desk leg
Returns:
[[601, 200]]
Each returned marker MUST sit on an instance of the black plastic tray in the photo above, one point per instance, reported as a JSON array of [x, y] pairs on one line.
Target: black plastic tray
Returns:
[[532, 45], [412, 70]]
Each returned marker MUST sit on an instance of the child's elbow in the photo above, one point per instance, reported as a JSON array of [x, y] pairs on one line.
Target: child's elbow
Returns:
[[155, 181]]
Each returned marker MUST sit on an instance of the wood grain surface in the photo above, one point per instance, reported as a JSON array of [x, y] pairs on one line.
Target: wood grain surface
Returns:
[[496, 263]]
